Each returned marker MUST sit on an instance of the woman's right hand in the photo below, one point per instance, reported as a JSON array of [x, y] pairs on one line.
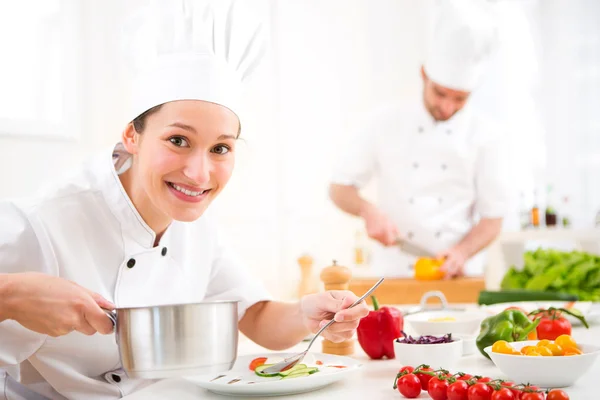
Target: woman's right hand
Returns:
[[54, 306]]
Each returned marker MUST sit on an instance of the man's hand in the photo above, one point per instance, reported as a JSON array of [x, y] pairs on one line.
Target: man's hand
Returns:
[[319, 308], [379, 226], [454, 262]]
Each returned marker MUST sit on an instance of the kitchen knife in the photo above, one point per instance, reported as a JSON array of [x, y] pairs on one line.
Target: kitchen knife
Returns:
[[413, 249]]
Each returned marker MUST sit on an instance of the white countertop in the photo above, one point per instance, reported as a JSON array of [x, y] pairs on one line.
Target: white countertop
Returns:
[[374, 380]]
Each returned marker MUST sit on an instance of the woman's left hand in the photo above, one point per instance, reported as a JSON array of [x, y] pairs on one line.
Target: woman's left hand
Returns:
[[319, 308]]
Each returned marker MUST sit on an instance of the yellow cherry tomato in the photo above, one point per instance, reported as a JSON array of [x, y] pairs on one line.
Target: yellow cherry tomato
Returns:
[[531, 349], [544, 351], [543, 343], [565, 341], [525, 349], [502, 347], [572, 350], [533, 353], [555, 349]]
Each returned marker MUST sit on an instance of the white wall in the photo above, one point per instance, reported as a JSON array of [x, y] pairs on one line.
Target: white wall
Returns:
[[26, 162], [570, 98]]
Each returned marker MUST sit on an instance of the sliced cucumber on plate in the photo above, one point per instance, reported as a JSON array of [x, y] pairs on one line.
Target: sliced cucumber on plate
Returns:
[[296, 371], [259, 370]]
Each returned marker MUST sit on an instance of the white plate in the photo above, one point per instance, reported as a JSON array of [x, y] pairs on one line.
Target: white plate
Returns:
[[591, 311], [267, 387]]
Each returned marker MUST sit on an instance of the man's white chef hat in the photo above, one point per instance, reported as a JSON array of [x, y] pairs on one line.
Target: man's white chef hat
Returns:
[[464, 37], [191, 50]]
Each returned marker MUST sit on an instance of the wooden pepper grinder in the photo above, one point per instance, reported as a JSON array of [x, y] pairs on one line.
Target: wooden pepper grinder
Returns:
[[307, 285], [337, 277]]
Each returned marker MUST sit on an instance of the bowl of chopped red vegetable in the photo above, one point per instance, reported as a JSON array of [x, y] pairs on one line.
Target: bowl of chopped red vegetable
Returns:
[[436, 351]]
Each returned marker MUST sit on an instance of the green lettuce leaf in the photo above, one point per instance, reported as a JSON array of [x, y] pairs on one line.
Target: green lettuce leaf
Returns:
[[546, 279], [573, 272], [514, 279]]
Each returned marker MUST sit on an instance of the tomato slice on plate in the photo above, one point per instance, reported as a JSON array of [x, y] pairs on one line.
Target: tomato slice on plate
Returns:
[[257, 362]]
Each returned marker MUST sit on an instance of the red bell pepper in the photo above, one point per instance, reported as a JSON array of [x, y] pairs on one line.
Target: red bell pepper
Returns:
[[377, 331]]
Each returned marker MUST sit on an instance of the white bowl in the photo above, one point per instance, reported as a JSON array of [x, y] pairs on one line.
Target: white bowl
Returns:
[[469, 344], [559, 371], [438, 355], [464, 323]]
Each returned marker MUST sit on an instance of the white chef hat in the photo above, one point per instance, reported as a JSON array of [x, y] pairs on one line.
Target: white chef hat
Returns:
[[191, 50], [464, 37]]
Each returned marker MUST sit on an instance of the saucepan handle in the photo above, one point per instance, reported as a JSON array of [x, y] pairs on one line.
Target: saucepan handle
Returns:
[[434, 293], [112, 315]]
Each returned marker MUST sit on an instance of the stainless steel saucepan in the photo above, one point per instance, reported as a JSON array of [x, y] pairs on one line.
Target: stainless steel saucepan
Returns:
[[177, 340]]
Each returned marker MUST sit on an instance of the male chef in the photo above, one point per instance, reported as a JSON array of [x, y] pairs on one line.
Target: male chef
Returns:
[[440, 167]]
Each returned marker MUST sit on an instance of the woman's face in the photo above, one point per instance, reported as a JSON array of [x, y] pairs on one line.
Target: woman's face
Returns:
[[183, 158]]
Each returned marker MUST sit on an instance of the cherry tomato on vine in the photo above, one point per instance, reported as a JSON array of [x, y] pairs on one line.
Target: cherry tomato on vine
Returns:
[[409, 386]]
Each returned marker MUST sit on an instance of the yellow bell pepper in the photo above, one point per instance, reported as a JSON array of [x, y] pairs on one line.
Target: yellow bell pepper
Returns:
[[429, 269]]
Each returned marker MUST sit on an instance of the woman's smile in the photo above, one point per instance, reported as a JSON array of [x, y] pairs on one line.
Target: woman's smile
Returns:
[[188, 193]]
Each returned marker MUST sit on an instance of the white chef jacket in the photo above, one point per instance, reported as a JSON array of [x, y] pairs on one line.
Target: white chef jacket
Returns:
[[87, 230], [434, 179]]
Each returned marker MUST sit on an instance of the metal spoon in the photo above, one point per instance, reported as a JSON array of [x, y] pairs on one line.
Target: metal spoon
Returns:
[[295, 359]]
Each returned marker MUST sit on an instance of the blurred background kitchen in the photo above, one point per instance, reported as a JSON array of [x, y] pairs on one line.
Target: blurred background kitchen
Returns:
[[328, 63]]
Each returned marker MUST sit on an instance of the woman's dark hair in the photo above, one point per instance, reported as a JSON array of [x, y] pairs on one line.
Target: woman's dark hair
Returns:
[[139, 122]]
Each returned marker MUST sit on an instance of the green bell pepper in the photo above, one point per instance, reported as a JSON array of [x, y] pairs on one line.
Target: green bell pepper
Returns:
[[509, 325]]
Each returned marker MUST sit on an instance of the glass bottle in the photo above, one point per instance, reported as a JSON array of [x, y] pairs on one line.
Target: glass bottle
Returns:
[[566, 219], [359, 249], [550, 214], [524, 217], [535, 211]]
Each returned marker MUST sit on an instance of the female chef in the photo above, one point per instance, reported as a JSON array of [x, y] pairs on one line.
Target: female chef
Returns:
[[133, 226]]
